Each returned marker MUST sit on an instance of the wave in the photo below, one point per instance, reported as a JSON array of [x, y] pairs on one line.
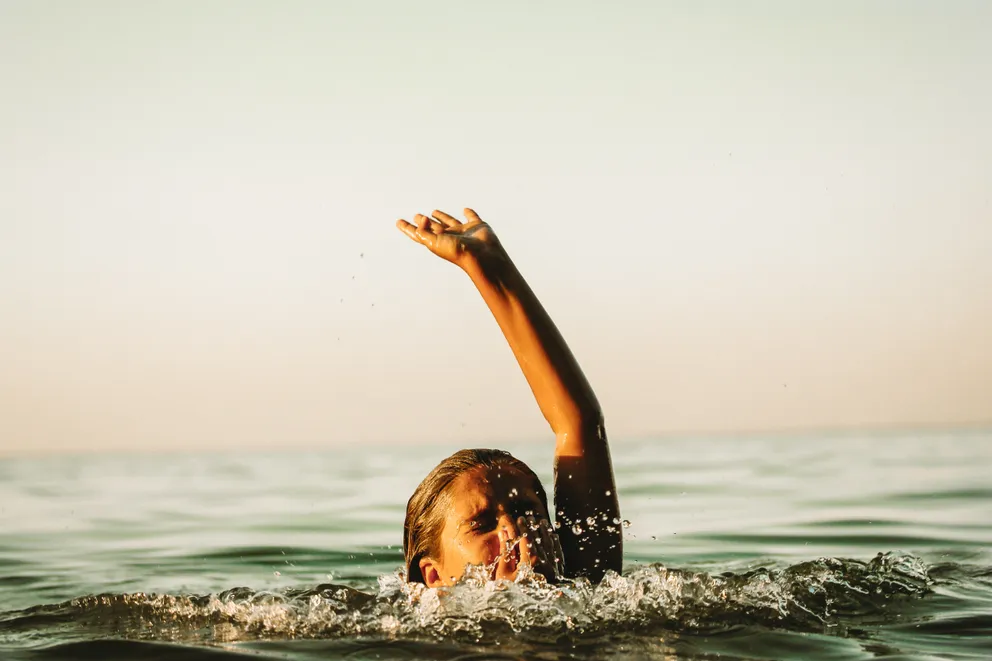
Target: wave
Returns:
[[809, 596]]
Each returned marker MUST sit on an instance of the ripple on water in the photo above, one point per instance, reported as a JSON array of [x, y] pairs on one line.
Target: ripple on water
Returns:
[[809, 596]]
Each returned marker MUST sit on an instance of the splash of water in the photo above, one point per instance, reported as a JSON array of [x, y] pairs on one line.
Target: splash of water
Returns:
[[809, 596]]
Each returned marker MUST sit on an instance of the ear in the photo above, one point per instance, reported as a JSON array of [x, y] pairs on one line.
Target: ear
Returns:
[[431, 571]]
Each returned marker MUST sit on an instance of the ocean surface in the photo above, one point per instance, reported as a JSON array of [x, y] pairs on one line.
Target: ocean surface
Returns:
[[832, 546]]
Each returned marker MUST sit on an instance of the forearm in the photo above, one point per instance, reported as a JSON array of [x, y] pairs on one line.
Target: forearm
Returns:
[[559, 386]]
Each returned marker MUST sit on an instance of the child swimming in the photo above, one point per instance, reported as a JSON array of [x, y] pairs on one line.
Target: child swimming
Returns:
[[486, 508]]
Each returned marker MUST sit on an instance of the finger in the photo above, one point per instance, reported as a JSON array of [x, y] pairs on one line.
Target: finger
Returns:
[[448, 221], [546, 543], [553, 546], [427, 224], [559, 554], [416, 233], [529, 554], [409, 229], [506, 564], [421, 236], [472, 216], [548, 540], [436, 227], [499, 571], [425, 233]]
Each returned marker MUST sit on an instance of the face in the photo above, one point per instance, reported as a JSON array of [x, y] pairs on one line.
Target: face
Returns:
[[482, 522]]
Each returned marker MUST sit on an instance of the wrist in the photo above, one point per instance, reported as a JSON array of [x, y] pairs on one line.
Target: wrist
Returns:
[[486, 262]]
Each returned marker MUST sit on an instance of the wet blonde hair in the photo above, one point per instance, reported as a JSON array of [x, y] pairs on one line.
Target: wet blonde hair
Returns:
[[426, 509]]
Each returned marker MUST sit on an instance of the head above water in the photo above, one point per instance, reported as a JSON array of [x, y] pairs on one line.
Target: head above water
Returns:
[[454, 517]]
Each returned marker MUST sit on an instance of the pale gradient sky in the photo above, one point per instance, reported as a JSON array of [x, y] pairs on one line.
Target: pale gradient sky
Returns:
[[742, 215]]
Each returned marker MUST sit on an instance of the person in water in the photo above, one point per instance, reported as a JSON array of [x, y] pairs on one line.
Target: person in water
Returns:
[[486, 508]]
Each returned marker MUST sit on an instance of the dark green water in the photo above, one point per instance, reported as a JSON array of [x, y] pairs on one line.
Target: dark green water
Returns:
[[815, 547]]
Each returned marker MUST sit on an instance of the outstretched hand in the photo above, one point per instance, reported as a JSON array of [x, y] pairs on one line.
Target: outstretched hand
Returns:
[[451, 239]]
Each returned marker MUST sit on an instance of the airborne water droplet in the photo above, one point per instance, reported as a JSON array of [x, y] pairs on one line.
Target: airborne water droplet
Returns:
[[626, 523], [577, 529]]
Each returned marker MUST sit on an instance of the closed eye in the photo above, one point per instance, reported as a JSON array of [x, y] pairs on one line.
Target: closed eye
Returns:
[[484, 522]]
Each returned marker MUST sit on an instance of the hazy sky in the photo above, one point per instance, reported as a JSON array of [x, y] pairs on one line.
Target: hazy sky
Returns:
[[742, 215]]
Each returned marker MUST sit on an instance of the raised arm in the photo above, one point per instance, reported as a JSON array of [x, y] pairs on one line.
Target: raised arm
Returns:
[[585, 497]]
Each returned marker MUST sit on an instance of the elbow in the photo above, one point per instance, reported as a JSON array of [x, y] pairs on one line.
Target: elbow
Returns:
[[591, 421], [587, 422]]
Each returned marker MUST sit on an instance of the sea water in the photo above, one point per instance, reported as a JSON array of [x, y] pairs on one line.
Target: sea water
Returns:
[[802, 547]]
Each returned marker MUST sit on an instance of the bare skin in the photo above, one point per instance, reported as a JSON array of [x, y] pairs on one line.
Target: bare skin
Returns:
[[585, 493], [495, 520]]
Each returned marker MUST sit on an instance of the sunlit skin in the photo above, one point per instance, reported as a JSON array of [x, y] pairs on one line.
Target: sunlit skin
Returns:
[[584, 488], [495, 520]]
